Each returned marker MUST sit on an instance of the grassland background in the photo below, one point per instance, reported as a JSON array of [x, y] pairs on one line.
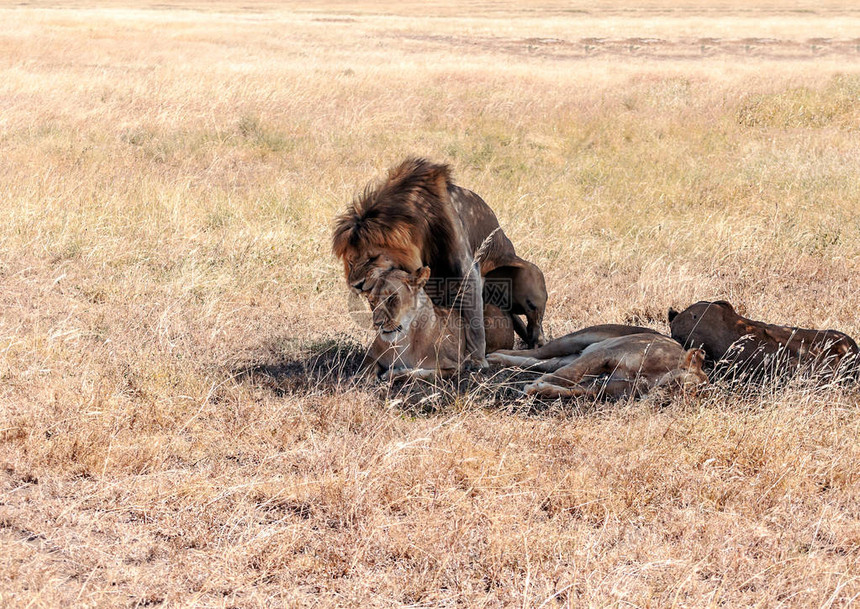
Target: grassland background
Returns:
[[168, 175]]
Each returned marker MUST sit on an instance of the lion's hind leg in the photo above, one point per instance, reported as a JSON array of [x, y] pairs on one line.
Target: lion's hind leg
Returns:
[[563, 382], [513, 359], [556, 348], [520, 328], [534, 317], [570, 345], [572, 375], [592, 387]]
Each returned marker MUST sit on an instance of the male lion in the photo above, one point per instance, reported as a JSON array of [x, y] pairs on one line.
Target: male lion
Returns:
[[417, 217], [744, 348], [608, 361], [415, 338]]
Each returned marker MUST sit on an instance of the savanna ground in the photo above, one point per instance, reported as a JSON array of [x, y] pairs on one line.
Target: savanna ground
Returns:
[[178, 426]]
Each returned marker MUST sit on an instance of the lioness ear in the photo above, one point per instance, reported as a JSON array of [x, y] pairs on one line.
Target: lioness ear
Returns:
[[672, 314], [420, 277], [694, 359]]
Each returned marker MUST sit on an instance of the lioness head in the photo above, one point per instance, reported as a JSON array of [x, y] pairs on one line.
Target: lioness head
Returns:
[[691, 367], [393, 298], [688, 377]]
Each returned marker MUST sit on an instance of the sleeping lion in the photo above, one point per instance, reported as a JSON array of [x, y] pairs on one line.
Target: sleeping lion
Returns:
[[608, 361]]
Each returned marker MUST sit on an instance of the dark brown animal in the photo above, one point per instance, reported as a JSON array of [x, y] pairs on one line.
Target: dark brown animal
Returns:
[[519, 288], [417, 217], [415, 338], [608, 361], [747, 349]]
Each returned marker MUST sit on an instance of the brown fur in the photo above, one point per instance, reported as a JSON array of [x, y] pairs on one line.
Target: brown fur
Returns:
[[408, 217], [524, 293], [416, 338], [417, 217], [609, 361], [754, 349]]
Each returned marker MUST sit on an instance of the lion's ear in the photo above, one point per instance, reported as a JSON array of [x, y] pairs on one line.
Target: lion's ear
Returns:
[[693, 359], [672, 314], [726, 304], [420, 277]]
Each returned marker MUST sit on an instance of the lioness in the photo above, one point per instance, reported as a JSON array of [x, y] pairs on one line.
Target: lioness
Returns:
[[608, 361], [746, 348], [417, 339]]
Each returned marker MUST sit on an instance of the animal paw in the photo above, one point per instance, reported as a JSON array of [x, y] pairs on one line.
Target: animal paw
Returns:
[[495, 359], [392, 374], [534, 388], [475, 365]]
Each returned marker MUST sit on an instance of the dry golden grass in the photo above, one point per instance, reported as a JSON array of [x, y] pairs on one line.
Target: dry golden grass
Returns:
[[177, 422]]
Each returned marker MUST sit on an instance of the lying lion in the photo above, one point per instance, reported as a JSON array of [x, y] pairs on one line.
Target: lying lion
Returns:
[[753, 349], [417, 339], [610, 361]]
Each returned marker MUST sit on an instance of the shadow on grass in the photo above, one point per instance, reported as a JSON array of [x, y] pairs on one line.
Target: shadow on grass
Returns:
[[499, 389], [333, 364], [289, 366]]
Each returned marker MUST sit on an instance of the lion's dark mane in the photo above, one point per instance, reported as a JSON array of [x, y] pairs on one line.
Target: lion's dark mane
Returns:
[[410, 208]]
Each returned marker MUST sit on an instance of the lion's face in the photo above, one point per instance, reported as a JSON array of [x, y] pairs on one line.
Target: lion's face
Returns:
[[361, 269], [693, 376], [393, 298], [688, 377]]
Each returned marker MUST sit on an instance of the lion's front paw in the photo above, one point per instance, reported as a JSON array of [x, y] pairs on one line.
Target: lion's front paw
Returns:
[[534, 388], [474, 364], [496, 359], [392, 374]]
